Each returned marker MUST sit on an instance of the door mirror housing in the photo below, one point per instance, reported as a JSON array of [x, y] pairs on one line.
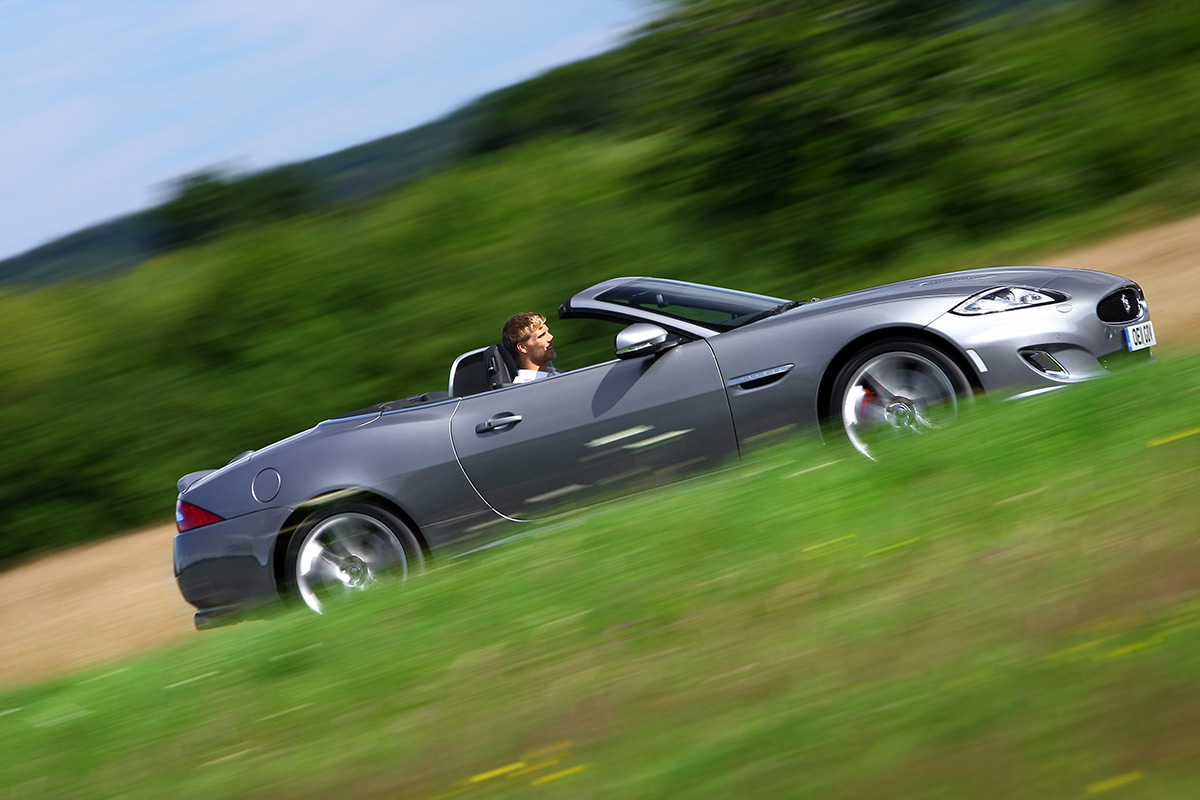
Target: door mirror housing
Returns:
[[644, 339]]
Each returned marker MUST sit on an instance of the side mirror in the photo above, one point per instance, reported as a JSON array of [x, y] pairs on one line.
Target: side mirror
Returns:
[[643, 339]]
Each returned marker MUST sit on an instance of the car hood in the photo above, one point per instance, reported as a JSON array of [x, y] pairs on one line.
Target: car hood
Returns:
[[957, 285]]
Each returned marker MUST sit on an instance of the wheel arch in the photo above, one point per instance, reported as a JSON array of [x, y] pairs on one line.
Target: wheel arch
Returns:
[[872, 338], [350, 495]]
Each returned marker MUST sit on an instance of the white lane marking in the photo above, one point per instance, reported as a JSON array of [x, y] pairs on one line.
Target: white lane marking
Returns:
[[812, 469], [191, 680], [58, 716], [105, 675]]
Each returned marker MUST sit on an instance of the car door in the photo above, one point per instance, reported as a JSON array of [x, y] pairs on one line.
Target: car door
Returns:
[[595, 432]]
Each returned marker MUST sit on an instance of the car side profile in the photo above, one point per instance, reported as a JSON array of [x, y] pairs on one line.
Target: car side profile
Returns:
[[697, 372]]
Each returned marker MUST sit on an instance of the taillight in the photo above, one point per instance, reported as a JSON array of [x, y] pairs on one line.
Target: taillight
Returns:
[[188, 516]]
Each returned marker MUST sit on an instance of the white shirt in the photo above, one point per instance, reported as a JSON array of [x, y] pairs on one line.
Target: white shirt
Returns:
[[527, 375]]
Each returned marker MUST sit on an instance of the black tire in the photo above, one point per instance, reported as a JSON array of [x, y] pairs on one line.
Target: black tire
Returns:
[[345, 548], [896, 388]]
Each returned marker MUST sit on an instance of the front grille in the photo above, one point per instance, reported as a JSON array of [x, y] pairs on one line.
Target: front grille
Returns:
[[1120, 306]]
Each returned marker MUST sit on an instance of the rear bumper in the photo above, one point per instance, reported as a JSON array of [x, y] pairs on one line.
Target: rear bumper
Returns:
[[229, 567]]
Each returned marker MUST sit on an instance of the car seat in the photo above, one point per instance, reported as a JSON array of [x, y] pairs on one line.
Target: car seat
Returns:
[[501, 366]]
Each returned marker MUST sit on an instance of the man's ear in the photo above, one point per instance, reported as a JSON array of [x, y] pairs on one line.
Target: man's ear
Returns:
[[522, 347]]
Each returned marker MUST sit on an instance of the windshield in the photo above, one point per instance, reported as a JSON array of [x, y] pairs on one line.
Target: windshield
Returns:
[[712, 307]]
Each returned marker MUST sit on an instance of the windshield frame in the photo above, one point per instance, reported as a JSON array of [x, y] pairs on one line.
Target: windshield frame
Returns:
[[711, 307]]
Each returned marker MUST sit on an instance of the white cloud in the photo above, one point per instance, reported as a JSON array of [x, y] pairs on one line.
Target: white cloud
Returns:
[[104, 102]]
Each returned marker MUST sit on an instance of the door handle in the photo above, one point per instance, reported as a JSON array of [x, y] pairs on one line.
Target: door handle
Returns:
[[497, 422]]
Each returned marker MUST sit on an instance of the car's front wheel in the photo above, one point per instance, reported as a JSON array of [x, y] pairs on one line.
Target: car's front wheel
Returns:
[[347, 548], [894, 389]]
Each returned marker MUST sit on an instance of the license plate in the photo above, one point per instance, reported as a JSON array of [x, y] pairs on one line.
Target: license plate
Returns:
[[1139, 337]]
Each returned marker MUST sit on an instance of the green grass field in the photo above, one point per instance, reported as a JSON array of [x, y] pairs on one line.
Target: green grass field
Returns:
[[1007, 609]]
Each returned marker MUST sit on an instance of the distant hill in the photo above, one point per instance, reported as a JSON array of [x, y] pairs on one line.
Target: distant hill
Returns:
[[92, 252], [356, 173], [376, 167]]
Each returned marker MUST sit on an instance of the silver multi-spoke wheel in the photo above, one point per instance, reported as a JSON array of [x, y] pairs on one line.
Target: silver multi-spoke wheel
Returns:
[[895, 390], [349, 549]]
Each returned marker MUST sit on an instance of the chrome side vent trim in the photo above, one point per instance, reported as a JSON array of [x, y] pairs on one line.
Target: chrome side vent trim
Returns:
[[1045, 363], [757, 380]]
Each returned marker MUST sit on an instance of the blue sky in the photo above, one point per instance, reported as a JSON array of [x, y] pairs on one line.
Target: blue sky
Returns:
[[105, 101]]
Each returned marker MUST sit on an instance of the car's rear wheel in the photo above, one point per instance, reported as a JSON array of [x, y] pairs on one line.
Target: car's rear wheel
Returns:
[[895, 389], [343, 549]]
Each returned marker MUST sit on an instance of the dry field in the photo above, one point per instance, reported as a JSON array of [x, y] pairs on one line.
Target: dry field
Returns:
[[100, 602]]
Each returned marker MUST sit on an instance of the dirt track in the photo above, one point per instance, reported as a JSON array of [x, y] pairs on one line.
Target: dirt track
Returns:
[[1165, 261], [88, 605]]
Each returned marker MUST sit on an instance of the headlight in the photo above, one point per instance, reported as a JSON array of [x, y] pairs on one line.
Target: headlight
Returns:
[[1006, 298]]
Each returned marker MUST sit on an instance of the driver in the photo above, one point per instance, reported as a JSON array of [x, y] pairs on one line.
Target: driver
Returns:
[[530, 343]]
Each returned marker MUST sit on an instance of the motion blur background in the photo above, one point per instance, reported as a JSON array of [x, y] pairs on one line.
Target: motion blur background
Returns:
[[787, 148], [1010, 610]]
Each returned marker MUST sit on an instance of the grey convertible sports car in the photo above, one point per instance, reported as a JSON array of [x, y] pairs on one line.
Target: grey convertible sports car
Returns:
[[698, 372]]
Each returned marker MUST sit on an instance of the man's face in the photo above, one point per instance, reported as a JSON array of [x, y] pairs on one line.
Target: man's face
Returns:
[[539, 347]]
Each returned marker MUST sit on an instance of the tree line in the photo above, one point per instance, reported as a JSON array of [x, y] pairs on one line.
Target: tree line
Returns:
[[839, 132]]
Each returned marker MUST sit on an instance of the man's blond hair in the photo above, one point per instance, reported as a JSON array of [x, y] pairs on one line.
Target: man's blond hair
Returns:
[[518, 328]]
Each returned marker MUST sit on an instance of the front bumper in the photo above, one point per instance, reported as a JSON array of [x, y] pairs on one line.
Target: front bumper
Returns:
[[1042, 348]]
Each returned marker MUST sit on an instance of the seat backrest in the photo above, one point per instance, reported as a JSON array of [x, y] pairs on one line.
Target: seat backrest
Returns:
[[482, 370], [468, 375], [500, 365]]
